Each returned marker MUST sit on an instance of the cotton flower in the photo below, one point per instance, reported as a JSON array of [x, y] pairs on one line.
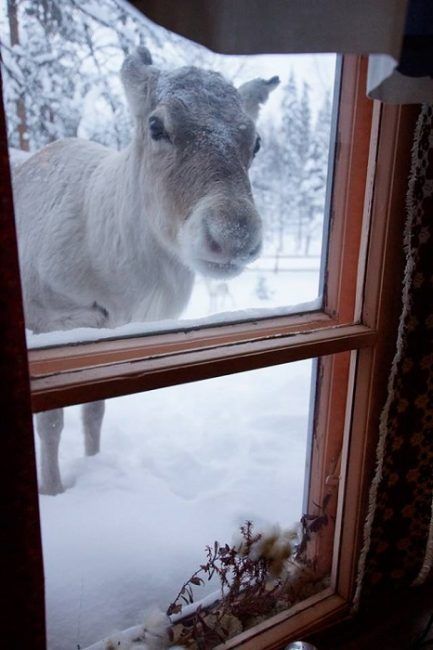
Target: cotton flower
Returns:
[[274, 545], [156, 624]]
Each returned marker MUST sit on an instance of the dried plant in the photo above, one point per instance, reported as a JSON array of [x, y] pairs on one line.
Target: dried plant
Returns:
[[311, 524], [262, 574]]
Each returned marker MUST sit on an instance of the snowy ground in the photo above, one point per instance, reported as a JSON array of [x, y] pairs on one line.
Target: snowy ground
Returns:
[[180, 468], [258, 287]]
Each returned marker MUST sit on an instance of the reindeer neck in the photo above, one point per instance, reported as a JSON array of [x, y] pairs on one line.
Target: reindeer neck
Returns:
[[128, 249]]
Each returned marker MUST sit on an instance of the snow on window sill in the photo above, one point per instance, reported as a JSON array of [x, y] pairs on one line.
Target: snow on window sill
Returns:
[[90, 334]]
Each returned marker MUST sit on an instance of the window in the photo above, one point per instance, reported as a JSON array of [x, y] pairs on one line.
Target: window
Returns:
[[293, 130], [348, 336], [179, 468]]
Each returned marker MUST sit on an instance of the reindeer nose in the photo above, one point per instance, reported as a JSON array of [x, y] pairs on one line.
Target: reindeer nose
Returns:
[[254, 252], [214, 247], [233, 238]]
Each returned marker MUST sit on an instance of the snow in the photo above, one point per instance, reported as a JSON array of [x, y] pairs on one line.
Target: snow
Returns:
[[87, 334], [179, 468], [259, 292]]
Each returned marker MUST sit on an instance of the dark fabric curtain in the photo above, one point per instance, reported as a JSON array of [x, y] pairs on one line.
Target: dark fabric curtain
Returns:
[[398, 538], [416, 59], [378, 28], [22, 582], [409, 79], [258, 26]]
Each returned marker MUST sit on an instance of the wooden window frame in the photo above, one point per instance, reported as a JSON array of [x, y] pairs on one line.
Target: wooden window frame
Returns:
[[381, 273], [70, 374], [353, 335]]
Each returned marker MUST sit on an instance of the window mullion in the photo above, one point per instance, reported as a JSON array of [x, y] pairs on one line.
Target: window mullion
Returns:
[[53, 390]]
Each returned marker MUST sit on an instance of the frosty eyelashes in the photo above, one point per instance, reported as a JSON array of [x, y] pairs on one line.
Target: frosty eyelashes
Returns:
[[157, 130]]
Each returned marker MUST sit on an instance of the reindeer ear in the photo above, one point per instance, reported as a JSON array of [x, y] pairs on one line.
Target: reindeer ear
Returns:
[[139, 77], [256, 92]]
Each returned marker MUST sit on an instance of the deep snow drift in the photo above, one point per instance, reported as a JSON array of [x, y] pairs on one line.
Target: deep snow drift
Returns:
[[180, 468]]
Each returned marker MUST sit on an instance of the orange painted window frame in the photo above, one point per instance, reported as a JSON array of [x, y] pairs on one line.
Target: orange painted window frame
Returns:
[[68, 374], [353, 336]]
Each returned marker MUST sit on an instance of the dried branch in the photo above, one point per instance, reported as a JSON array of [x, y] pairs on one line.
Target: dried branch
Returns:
[[263, 574]]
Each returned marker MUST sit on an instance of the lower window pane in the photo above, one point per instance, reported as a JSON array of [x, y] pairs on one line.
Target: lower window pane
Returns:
[[179, 468]]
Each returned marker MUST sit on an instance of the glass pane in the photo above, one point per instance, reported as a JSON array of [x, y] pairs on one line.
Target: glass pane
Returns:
[[162, 224], [179, 469]]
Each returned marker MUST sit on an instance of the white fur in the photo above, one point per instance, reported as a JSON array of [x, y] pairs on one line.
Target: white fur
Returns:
[[106, 237], [88, 257]]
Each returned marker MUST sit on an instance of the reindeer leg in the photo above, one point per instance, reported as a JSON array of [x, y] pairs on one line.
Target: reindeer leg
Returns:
[[49, 425], [92, 414]]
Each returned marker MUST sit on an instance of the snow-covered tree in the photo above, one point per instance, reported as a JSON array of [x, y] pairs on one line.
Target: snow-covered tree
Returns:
[[61, 65], [292, 146], [266, 175], [316, 174], [287, 159], [18, 116], [303, 213]]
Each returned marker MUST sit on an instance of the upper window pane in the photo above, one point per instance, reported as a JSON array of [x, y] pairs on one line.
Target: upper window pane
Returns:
[[213, 203]]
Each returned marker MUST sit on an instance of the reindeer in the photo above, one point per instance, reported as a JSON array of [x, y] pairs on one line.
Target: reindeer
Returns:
[[107, 238]]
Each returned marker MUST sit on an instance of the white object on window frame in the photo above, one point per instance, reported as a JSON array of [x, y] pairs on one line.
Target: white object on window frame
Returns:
[[392, 87]]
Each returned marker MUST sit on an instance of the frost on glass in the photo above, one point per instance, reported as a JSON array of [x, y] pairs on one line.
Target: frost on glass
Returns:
[[61, 63], [179, 468]]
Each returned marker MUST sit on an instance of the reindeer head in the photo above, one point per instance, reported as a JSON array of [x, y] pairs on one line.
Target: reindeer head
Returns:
[[196, 138]]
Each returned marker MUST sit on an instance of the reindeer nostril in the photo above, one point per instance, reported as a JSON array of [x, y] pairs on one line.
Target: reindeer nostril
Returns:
[[237, 240], [213, 245], [256, 250]]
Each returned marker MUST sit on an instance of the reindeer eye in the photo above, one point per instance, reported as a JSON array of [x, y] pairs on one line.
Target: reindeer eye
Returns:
[[257, 145], [156, 128]]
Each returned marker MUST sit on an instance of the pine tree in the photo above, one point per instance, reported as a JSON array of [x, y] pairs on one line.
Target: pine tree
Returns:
[[291, 148], [61, 73], [316, 173], [295, 137], [304, 214], [21, 115], [266, 174]]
